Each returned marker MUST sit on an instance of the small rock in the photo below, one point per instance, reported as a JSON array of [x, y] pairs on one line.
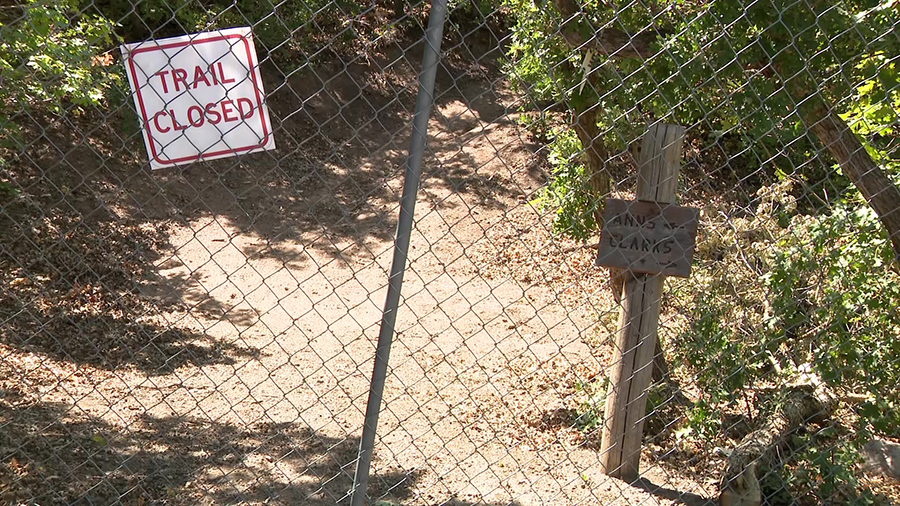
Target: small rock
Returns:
[[882, 458]]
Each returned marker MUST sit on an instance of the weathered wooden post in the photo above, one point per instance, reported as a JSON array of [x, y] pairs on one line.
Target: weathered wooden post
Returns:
[[649, 238]]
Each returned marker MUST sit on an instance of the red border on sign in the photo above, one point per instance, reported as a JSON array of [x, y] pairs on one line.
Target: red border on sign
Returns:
[[217, 38]]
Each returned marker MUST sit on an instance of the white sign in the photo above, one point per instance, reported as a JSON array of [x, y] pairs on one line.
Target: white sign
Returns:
[[199, 97]]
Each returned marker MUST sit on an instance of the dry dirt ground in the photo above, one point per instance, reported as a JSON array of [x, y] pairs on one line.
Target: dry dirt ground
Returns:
[[206, 334]]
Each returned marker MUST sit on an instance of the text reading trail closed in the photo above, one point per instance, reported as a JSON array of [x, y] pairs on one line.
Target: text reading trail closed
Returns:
[[199, 97]]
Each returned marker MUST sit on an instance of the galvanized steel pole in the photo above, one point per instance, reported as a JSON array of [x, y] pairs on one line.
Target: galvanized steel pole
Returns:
[[424, 101]]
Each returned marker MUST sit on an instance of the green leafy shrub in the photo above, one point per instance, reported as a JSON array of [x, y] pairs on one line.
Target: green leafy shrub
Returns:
[[834, 294], [566, 194], [52, 58], [786, 298], [591, 408]]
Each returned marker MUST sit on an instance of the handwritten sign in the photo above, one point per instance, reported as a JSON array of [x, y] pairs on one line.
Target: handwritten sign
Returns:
[[199, 97], [648, 237]]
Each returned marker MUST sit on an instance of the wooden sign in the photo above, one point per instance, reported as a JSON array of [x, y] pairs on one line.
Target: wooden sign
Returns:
[[648, 237]]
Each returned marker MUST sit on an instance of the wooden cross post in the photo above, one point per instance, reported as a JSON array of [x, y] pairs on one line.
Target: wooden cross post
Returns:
[[650, 238]]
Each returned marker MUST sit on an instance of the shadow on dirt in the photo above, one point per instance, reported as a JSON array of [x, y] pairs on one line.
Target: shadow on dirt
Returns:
[[457, 502], [52, 453], [77, 290], [686, 498]]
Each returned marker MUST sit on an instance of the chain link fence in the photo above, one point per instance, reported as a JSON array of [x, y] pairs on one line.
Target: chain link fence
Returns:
[[205, 332]]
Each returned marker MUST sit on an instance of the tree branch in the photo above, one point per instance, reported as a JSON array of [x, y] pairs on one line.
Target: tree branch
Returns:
[[608, 41]]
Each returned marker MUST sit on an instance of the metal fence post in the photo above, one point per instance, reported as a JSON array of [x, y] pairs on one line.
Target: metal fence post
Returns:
[[424, 101]]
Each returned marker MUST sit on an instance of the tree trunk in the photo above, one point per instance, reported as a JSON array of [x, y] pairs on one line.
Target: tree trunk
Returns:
[[597, 178], [874, 185]]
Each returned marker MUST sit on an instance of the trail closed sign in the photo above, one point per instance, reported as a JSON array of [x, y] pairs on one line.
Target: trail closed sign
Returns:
[[199, 97]]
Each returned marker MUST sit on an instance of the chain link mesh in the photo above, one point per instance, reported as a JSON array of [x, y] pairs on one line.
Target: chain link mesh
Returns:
[[204, 333]]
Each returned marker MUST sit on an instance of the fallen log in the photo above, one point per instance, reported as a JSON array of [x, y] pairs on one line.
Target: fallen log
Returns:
[[798, 406]]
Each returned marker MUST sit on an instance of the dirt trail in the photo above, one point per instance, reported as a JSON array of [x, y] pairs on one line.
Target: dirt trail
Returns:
[[277, 266]]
